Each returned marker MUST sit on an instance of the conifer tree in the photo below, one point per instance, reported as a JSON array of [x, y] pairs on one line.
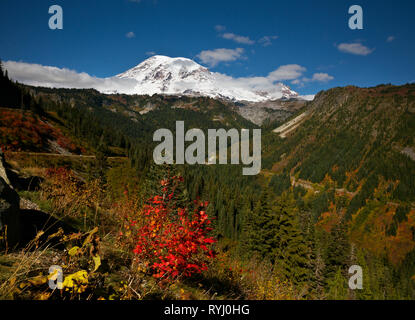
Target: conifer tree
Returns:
[[338, 250], [337, 286], [155, 178], [260, 227], [292, 251], [365, 293]]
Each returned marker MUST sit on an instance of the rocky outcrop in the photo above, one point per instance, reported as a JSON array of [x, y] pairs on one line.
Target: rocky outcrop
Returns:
[[9, 208], [9, 214], [20, 219], [3, 173]]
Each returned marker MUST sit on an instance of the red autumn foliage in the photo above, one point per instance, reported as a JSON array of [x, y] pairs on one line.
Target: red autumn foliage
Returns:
[[171, 241], [23, 131]]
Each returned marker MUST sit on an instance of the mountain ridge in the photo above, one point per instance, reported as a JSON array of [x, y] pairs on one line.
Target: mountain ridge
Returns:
[[182, 76]]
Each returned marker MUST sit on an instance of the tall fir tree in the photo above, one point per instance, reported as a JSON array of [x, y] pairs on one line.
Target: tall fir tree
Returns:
[[338, 250], [259, 229], [337, 286], [292, 251]]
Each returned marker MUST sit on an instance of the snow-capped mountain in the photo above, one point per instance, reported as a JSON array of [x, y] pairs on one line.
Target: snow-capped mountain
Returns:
[[182, 76]]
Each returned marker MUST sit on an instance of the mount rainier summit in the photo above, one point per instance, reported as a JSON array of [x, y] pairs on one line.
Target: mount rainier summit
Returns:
[[182, 76]]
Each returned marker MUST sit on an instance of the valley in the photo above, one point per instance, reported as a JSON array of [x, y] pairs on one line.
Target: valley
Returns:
[[337, 188]]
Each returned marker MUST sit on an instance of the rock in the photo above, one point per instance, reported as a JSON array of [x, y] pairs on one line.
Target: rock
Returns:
[[3, 173], [9, 214], [26, 204], [33, 221]]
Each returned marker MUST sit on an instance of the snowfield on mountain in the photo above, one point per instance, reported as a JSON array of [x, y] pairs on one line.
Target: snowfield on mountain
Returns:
[[182, 76]]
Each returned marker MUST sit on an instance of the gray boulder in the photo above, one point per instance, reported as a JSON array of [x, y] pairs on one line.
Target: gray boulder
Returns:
[[9, 214], [3, 172]]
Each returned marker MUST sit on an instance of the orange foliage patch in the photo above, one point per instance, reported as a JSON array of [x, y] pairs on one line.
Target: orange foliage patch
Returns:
[[23, 131], [398, 246], [330, 218], [372, 234]]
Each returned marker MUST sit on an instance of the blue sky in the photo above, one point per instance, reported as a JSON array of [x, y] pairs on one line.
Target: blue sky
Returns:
[[237, 38]]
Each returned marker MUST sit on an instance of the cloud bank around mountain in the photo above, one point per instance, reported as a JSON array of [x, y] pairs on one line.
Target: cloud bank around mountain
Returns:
[[53, 77]]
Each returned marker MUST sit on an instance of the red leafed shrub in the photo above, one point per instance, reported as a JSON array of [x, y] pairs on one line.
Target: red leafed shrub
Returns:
[[23, 131], [67, 143], [171, 241]]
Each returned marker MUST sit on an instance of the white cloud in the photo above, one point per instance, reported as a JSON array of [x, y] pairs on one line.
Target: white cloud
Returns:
[[45, 76], [266, 83], [267, 40], [390, 38], [308, 97], [355, 48], [214, 57], [219, 28], [321, 77], [238, 38], [151, 53], [245, 85], [130, 35], [287, 72], [317, 77]]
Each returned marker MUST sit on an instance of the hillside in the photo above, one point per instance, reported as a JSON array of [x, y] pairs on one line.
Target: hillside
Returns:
[[23, 130], [337, 190], [348, 160], [138, 115], [354, 135]]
